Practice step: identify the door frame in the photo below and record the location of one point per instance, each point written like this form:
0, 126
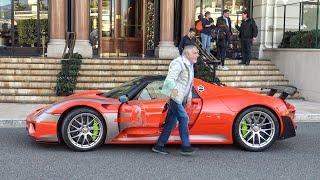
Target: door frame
116, 42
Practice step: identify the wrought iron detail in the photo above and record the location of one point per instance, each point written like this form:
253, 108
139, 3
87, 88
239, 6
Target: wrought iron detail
150, 26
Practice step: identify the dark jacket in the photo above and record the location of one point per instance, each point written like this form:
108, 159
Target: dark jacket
221, 20
206, 30
248, 29
185, 41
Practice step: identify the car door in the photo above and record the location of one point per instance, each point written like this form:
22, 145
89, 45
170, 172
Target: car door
147, 109
153, 103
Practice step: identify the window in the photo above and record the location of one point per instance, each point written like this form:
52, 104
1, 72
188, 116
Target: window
152, 91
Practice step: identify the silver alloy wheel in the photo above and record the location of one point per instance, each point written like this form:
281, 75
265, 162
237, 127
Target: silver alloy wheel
257, 129
85, 130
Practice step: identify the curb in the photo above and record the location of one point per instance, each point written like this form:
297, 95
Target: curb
18, 123
13, 123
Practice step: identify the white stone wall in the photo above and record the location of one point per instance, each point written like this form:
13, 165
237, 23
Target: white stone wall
269, 16
300, 67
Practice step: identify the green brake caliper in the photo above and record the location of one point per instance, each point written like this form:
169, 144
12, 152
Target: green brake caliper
244, 129
95, 130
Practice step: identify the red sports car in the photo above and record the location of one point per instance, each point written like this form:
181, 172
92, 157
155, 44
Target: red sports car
134, 113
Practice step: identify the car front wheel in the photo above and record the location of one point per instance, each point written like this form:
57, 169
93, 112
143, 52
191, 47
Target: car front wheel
256, 129
83, 129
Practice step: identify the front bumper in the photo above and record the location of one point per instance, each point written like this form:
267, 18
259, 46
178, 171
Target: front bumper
289, 128
42, 126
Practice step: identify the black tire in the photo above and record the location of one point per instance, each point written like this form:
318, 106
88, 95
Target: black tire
70, 121
246, 138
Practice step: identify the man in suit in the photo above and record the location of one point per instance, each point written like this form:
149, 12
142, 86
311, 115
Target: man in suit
225, 19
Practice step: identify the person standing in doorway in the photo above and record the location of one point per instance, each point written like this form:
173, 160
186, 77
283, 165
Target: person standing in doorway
206, 32
178, 86
187, 40
248, 34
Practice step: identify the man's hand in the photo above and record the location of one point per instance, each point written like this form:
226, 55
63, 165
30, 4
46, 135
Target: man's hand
189, 102
254, 39
174, 93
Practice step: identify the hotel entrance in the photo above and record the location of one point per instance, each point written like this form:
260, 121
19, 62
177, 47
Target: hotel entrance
116, 27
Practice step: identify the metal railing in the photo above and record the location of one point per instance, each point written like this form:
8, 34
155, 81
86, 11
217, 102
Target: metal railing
296, 25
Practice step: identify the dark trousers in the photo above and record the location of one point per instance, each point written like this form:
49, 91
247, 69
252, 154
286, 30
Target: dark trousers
176, 112
222, 52
222, 46
246, 50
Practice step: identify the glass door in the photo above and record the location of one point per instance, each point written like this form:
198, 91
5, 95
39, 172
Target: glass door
121, 32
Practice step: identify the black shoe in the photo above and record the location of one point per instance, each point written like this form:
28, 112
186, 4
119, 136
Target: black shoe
187, 151
241, 63
159, 149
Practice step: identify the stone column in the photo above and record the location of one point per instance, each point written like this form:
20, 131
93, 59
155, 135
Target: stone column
166, 48
81, 27
188, 13
57, 29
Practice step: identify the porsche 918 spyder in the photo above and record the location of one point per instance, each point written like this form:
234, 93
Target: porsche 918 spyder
134, 113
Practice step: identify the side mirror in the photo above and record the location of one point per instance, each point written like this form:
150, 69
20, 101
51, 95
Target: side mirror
123, 99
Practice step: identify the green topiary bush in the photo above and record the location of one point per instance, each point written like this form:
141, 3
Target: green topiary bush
203, 72
67, 77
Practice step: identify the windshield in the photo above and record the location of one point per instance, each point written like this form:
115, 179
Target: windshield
123, 89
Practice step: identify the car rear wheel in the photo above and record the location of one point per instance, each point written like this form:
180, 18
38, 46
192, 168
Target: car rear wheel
256, 129
83, 129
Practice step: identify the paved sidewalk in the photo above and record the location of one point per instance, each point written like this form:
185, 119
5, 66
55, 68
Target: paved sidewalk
14, 115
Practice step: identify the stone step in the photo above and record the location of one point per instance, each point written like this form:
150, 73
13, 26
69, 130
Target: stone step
29, 99
32, 72
251, 78
251, 67
248, 73
120, 73
245, 84
253, 62
23, 91
27, 85
105, 67
28, 78
85, 61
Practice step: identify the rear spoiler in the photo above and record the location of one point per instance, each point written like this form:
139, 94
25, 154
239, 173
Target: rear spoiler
284, 91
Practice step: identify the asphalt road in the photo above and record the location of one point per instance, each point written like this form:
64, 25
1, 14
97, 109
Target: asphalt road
295, 158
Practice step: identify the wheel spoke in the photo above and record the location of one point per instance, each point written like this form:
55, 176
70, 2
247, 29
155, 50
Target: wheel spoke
78, 139
247, 134
262, 137
84, 138
268, 129
265, 124
266, 133
78, 122
76, 135
74, 126
74, 130
250, 137
90, 122
254, 138
259, 139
